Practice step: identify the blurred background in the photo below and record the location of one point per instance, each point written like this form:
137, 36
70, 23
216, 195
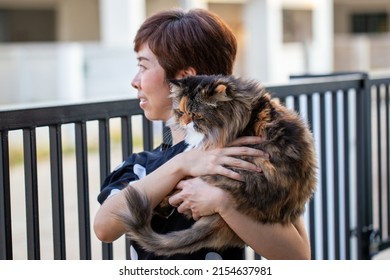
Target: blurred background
80, 49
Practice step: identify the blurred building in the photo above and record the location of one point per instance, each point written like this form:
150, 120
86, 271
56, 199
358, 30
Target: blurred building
76, 49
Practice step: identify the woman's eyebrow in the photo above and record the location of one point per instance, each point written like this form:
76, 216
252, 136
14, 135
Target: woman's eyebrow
140, 58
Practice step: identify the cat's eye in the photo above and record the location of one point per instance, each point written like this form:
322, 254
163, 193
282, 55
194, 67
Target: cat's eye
179, 113
197, 116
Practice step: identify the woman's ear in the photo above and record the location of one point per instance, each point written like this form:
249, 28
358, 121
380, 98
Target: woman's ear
190, 71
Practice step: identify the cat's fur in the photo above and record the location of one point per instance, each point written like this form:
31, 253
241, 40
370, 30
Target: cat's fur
217, 110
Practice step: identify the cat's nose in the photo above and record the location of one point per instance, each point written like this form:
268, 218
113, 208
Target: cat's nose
185, 119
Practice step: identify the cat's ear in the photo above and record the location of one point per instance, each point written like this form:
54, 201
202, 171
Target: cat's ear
221, 89
190, 71
221, 93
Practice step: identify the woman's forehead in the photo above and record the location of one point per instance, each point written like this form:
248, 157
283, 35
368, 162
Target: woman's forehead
144, 53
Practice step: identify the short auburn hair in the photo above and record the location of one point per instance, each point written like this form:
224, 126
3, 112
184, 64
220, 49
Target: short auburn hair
197, 38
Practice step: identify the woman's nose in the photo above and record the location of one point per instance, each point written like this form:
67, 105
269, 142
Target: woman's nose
135, 82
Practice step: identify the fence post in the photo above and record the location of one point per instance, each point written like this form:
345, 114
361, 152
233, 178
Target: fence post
5, 200
364, 166
57, 188
31, 187
83, 190
147, 127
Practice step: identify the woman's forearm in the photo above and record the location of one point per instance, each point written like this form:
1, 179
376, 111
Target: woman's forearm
155, 186
272, 241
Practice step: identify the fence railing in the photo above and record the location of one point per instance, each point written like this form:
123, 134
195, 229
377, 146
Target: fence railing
347, 219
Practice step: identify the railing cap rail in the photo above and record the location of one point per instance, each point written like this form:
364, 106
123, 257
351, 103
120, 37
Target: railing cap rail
35, 115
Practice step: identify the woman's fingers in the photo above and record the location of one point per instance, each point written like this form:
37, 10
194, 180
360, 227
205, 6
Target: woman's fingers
176, 199
230, 173
247, 140
222, 160
244, 151
240, 164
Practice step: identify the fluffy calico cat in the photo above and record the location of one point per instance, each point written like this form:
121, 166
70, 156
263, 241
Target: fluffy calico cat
215, 110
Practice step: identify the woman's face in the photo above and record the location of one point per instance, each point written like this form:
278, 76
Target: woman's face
153, 90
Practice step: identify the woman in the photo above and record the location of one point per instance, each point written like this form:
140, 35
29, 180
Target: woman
175, 44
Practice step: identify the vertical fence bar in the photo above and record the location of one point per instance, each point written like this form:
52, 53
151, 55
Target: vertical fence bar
312, 233
104, 158
148, 133
57, 192
324, 178
127, 139
31, 184
347, 220
83, 190
379, 159
104, 149
282, 100
5, 200
364, 172
297, 104
127, 149
336, 185
387, 120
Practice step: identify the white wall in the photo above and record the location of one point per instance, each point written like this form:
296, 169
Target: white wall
120, 19
41, 72
64, 72
268, 58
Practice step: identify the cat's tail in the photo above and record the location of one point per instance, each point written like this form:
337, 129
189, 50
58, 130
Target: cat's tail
205, 233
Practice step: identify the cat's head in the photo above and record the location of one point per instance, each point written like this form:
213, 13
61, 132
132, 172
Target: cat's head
209, 108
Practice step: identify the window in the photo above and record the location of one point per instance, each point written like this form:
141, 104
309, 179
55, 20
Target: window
3, 28
27, 25
370, 23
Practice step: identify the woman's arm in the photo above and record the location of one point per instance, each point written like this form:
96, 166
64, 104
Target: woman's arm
161, 182
272, 241
108, 227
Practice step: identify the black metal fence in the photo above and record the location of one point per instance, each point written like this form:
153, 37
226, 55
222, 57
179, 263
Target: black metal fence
349, 114
347, 219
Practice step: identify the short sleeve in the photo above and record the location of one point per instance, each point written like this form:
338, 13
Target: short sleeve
117, 180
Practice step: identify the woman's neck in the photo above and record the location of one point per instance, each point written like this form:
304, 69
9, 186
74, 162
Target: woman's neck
178, 135
177, 132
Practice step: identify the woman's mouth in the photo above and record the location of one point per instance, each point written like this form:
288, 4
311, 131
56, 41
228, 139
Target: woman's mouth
142, 101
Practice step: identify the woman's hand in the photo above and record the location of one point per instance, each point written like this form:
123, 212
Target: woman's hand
217, 161
197, 197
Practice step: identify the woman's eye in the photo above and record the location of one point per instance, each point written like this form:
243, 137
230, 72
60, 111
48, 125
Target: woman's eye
141, 67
